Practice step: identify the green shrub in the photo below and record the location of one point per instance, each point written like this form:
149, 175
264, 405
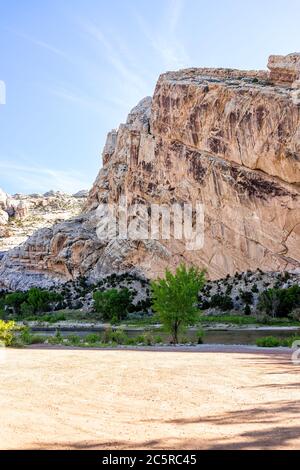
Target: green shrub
140, 339
149, 340
38, 339
112, 304
158, 339
75, 340
119, 337
56, 339
295, 314
268, 342
247, 310
27, 338
107, 335
247, 297
200, 335
223, 302
92, 338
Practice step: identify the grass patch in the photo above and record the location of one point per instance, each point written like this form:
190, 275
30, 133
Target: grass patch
273, 342
246, 320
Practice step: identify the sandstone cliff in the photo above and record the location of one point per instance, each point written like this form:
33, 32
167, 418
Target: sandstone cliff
21, 215
227, 138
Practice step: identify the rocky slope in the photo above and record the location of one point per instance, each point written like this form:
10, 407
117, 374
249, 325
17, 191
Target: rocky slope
229, 139
21, 215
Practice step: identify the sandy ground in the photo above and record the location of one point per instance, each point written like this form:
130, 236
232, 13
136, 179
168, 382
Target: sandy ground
91, 399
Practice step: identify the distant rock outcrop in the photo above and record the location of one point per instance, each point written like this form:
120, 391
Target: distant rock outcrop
229, 139
285, 70
21, 215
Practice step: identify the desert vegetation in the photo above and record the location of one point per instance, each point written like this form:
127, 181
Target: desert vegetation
170, 305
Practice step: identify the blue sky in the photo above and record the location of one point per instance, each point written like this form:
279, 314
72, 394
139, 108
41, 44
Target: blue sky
73, 69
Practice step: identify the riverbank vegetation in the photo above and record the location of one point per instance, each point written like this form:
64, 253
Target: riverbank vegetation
274, 342
168, 305
108, 338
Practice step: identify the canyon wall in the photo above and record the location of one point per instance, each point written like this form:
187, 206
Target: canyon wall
228, 139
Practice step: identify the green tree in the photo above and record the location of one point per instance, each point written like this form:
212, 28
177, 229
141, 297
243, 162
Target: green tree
175, 298
112, 304
223, 302
279, 302
247, 297
39, 301
14, 301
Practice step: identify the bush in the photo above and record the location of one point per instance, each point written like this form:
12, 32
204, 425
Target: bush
140, 339
247, 309
75, 340
295, 314
27, 338
112, 304
158, 340
200, 336
7, 332
92, 338
223, 302
149, 340
268, 342
119, 337
247, 297
56, 339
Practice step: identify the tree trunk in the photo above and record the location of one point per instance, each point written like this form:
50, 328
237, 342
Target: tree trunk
175, 333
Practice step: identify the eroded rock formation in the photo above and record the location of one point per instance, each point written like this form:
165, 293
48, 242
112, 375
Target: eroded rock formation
229, 139
21, 215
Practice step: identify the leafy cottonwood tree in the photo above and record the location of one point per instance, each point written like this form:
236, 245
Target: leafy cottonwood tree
175, 298
112, 304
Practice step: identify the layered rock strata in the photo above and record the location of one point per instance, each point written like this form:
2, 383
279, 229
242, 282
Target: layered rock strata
227, 139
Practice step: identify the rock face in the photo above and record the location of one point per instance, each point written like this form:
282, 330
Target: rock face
227, 139
285, 70
21, 215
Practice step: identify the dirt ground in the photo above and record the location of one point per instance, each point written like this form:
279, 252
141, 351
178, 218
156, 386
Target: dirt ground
89, 399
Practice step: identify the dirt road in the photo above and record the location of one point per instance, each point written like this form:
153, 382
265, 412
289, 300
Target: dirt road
70, 399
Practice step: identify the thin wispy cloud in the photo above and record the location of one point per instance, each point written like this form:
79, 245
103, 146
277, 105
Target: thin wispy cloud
76, 98
41, 44
175, 9
164, 39
43, 179
116, 55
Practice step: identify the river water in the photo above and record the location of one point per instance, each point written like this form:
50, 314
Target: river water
211, 336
